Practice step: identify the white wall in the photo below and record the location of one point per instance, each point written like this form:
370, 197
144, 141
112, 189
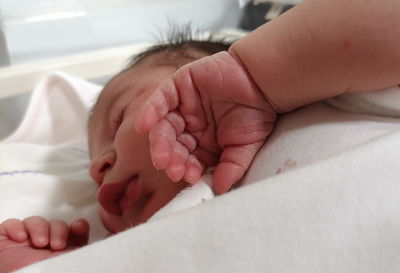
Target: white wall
43, 28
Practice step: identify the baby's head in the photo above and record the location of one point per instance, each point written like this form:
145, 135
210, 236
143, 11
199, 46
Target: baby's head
131, 189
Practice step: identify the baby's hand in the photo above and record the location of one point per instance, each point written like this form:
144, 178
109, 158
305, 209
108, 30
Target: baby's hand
209, 112
54, 234
35, 239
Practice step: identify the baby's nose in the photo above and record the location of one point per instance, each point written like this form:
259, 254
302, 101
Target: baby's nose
100, 165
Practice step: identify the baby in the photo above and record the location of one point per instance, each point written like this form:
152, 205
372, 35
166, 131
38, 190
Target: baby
181, 109
131, 190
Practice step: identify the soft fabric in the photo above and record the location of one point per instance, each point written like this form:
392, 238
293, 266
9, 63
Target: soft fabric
44, 163
321, 196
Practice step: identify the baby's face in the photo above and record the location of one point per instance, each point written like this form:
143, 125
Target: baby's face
131, 189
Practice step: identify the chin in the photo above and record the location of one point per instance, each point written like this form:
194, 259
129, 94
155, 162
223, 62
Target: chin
137, 214
114, 223
118, 223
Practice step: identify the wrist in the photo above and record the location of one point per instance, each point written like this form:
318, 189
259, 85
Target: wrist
235, 56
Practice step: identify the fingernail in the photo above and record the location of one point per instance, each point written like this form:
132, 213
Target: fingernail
22, 236
192, 176
58, 244
191, 179
41, 241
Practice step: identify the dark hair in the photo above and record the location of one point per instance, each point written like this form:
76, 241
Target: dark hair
178, 43
177, 47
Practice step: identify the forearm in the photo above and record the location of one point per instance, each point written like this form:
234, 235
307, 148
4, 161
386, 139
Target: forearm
323, 48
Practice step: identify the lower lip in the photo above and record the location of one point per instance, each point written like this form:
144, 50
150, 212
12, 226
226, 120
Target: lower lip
142, 210
131, 196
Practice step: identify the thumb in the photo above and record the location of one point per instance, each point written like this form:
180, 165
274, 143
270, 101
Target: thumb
234, 163
79, 232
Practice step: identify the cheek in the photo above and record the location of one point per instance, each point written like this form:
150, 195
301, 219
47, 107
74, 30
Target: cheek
161, 184
131, 146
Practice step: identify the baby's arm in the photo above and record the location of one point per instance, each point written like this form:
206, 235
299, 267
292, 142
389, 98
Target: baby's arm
35, 239
323, 48
221, 108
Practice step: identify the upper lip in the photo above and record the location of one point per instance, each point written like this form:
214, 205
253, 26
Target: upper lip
132, 193
117, 197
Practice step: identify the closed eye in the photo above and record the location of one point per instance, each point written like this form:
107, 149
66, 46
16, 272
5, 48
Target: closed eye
117, 122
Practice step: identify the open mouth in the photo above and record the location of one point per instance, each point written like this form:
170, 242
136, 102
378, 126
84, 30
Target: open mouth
132, 197
118, 197
130, 200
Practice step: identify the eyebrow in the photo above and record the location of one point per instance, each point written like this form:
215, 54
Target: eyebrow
91, 110
114, 98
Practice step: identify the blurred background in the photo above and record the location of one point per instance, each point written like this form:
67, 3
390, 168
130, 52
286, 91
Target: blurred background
31, 30
47, 28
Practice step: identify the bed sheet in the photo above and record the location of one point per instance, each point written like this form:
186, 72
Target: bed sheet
321, 196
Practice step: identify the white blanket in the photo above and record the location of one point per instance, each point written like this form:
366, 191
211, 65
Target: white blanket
326, 197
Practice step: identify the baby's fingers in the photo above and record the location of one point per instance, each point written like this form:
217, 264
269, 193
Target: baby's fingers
38, 230
234, 162
79, 233
177, 166
193, 170
170, 149
163, 138
14, 229
176, 93
58, 234
163, 101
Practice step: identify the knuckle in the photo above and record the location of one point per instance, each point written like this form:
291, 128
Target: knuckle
34, 219
56, 221
10, 221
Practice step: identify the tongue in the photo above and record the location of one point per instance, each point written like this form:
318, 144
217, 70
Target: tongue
109, 196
